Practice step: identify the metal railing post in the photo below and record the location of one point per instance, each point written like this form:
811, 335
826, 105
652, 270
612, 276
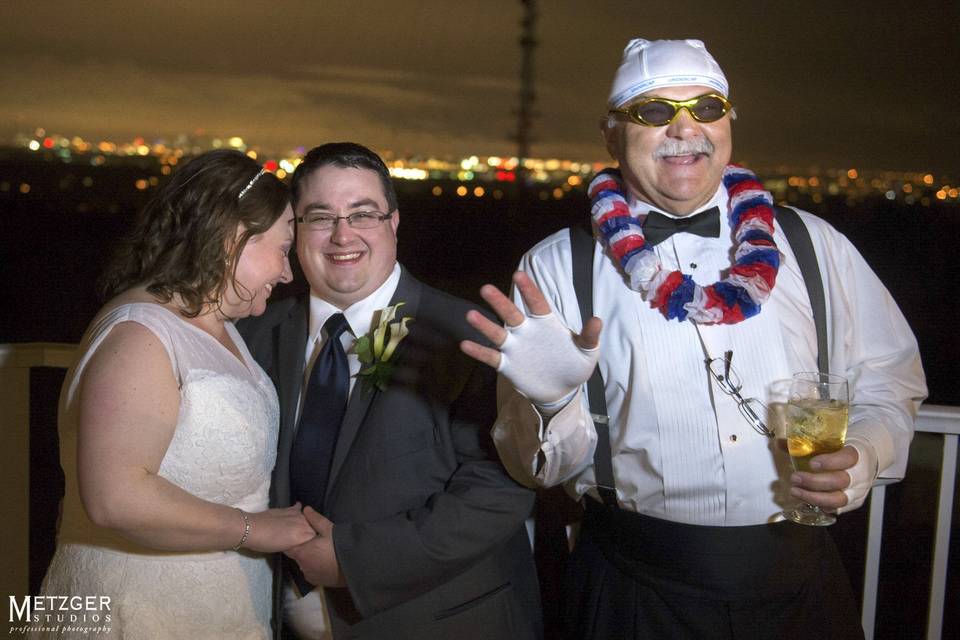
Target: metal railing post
941, 542
871, 572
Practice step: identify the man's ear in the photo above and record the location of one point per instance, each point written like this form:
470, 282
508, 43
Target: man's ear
395, 220
612, 133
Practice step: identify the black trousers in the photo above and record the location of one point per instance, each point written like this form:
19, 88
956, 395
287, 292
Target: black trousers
632, 576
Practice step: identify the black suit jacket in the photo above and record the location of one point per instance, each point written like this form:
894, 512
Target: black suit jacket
428, 525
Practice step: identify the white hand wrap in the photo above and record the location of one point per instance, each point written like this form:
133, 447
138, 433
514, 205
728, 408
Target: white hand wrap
862, 475
542, 360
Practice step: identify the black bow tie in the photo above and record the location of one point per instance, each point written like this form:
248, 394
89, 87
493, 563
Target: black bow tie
658, 227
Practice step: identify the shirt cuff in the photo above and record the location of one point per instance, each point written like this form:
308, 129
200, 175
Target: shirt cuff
551, 409
536, 450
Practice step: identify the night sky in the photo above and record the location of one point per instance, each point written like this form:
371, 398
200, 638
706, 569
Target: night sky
815, 83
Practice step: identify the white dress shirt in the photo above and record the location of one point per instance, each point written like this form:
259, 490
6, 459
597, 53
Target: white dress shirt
681, 449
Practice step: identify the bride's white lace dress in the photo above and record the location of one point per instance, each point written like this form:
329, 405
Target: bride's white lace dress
223, 450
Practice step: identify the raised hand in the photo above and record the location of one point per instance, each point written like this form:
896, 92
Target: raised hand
278, 529
543, 359
317, 557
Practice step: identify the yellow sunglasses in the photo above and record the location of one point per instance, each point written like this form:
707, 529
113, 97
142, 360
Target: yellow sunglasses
657, 112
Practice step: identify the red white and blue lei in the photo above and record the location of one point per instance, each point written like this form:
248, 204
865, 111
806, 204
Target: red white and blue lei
751, 277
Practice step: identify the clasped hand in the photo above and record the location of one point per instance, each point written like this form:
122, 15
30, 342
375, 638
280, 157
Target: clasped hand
306, 537
537, 353
278, 529
316, 557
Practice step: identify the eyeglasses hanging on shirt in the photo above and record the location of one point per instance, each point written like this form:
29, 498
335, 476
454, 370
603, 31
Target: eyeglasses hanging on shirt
730, 383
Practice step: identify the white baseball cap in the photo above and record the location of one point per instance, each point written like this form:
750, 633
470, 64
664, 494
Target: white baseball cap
649, 65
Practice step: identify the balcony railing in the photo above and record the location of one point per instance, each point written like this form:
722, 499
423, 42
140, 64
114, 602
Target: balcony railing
932, 419
17, 361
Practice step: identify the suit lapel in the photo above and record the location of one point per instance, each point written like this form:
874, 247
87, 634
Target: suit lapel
363, 395
292, 343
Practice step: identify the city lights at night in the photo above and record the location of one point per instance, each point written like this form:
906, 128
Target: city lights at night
553, 176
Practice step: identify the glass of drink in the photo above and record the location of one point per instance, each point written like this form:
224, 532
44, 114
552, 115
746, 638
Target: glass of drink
816, 423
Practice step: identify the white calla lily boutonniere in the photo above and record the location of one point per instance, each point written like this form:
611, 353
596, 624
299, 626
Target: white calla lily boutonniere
376, 348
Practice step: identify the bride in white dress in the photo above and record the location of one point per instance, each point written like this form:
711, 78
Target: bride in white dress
168, 428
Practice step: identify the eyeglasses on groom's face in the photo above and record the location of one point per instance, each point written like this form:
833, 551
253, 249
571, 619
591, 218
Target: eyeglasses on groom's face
320, 221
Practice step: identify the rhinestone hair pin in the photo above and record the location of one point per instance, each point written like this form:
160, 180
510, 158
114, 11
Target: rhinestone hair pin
250, 184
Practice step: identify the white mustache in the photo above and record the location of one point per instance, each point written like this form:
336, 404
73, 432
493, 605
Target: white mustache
673, 147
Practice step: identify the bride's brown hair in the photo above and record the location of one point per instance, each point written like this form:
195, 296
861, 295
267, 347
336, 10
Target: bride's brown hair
188, 238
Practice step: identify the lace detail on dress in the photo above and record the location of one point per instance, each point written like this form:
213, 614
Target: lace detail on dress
226, 431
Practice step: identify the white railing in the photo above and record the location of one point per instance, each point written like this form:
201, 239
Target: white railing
16, 360
932, 419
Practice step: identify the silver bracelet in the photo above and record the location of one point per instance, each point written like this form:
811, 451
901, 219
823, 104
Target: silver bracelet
246, 529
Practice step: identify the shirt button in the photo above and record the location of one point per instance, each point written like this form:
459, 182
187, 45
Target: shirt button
733, 438
693, 265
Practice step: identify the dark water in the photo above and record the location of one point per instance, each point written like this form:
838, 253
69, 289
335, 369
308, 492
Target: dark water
54, 241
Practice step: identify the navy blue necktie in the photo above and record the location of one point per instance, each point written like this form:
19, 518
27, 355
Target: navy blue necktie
658, 227
324, 404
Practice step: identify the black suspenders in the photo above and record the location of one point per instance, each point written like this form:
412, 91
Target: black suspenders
799, 239
582, 247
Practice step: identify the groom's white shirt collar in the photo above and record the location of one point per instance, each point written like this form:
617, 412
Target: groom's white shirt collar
359, 315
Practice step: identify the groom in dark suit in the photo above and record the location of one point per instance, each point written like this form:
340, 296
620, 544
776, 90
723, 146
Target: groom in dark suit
421, 533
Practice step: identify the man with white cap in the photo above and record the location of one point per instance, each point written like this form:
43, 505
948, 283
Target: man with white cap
682, 480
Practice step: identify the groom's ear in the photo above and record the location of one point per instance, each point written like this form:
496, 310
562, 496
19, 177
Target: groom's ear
395, 220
